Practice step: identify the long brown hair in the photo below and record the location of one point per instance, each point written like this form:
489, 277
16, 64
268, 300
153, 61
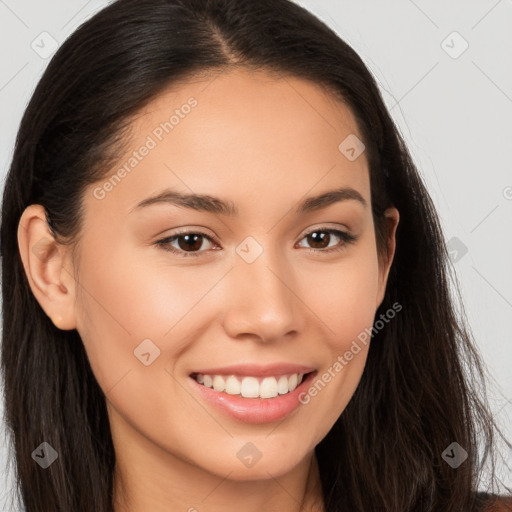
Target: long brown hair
420, 388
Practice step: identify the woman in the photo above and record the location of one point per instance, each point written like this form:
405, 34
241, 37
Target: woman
186, 349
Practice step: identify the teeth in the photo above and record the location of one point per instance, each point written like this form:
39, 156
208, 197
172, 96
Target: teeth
268, 388
293, 382
251, 387
218, 383
282, 385
232, 385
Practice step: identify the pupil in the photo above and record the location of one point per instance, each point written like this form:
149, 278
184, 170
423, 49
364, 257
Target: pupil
318, 238
315, 238
189, 245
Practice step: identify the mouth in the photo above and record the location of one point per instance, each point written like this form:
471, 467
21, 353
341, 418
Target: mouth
258, 395
252, 386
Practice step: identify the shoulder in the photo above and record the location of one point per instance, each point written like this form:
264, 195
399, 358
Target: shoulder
496, 503
501, 504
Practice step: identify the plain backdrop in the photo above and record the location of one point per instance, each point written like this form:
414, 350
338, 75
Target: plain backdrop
444, 69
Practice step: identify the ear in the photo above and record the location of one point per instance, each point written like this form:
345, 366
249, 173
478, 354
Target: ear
47, 266
392, 217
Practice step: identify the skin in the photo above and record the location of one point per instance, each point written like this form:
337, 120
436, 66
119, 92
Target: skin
265, 143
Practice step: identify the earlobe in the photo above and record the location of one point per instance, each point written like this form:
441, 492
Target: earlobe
392, 219
47, 268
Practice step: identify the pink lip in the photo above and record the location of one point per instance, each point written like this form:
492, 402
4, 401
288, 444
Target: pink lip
255, 410
255, 370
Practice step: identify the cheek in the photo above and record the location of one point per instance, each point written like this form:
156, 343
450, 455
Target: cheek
120, 304
344, 295
345, 299
125, 301
128, 297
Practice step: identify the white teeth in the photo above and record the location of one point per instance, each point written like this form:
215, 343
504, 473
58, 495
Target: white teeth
251, 387
218, 383
232, 385
292, 383
282, 385
268, 387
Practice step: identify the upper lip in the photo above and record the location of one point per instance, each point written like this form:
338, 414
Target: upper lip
257, 370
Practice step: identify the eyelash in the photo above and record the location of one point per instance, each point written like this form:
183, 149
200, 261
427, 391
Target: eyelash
347, 238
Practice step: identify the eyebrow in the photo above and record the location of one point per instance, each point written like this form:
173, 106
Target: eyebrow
207, 203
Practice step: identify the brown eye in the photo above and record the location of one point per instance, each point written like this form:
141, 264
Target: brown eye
191, 242
188, 243
319, 239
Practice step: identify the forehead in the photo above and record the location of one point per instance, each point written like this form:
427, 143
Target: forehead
262, 103
242, 133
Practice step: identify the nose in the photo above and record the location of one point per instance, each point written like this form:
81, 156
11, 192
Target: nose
262, 302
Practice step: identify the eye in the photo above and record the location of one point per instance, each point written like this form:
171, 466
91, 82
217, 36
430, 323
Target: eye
316, 238
187, 240
190, 242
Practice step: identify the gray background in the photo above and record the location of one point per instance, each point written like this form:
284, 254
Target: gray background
453, 106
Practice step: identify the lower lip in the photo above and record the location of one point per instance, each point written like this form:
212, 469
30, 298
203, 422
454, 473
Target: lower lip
255, 410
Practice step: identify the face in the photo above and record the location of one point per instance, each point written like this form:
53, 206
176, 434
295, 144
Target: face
247, 289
